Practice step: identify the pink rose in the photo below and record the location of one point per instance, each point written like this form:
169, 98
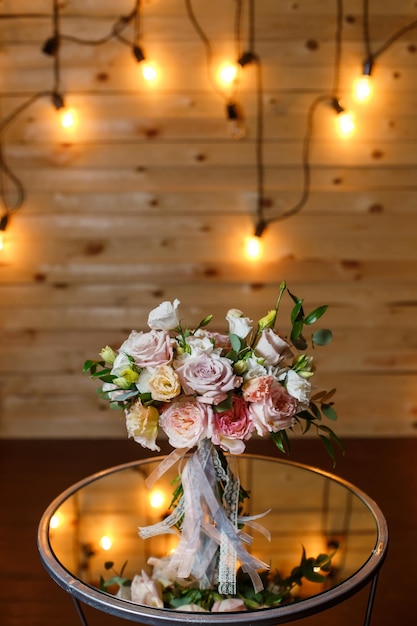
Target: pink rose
232, 428
210, 376
185, 421
271, 347
257, 389
275, 412
148, 349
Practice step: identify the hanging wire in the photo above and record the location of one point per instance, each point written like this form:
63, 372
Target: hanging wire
371, 56
332, 98
12, 191
208, 47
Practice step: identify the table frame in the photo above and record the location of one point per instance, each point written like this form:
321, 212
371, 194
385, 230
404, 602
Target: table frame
82, 592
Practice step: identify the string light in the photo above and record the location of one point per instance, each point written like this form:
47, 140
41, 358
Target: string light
106, 542
68, 119
227, 73
253, 248
157, 499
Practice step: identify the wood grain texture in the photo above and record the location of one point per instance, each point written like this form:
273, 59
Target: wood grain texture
149, 198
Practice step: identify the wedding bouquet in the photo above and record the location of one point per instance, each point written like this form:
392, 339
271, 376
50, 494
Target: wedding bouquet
212, 392
198, 384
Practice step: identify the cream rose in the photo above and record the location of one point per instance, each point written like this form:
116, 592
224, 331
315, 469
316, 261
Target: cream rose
185, 421
164, 383
142, 424
165, 316
271, 347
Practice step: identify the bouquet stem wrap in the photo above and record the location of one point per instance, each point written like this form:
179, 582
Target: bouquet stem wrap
211, 542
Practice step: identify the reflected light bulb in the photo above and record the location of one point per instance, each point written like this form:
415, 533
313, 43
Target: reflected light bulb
68, 118
55, 521
345, 123
227, 73
106, 542
157, 499
253, 248
149, 71
363, 89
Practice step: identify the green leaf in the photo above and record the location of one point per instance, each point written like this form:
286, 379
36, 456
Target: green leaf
300, 343
282, 441
88, 365
329, 448
315, 410
329, 412
316, 314
236, 342
322, 337
226, 405
297, 329
297, 312
232, 355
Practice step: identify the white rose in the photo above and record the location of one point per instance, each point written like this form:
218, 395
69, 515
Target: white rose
254, 369
298, 387
146, 591
238, 324
199, 343
165, 316
271, 347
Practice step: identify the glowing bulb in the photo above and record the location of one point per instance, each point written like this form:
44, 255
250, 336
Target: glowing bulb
55, 521
1, 241
363, 89
68, 119
227, 73
149, 71
106, 542
253, 248
157, 499
345, 123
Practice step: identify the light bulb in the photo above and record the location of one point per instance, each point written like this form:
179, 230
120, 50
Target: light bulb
68, 118
157, 499
253, 248
149, 71
55, 521
106, 542
345, 123
363, 89
227, 73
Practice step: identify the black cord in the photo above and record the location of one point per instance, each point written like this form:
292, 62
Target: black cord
371, 56
306, 147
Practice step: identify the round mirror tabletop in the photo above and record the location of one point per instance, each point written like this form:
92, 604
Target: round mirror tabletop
95, 523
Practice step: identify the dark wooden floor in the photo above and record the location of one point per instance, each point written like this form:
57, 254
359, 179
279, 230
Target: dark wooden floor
34, 472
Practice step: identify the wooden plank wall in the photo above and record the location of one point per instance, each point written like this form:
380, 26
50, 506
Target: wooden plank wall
150, 198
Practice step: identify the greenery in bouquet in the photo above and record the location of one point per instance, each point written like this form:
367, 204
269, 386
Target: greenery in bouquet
194, 384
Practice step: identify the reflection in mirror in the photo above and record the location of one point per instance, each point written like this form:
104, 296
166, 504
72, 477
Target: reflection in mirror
98, 523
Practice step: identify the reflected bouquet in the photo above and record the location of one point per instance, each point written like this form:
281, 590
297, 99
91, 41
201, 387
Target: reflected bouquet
213, 392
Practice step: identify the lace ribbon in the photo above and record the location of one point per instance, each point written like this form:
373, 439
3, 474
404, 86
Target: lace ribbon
210, 541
